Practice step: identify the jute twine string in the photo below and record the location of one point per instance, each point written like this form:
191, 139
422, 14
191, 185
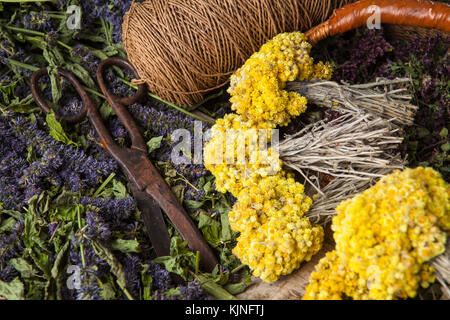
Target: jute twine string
184, 49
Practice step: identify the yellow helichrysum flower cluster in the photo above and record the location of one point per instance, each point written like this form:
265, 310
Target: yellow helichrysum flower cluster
384, 238
276, 237
233, 167
257, 88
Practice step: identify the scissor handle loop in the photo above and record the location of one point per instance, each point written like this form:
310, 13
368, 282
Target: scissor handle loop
40, 101
119, 62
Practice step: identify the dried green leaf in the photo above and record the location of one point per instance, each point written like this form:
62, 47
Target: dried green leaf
154, 143
13, 290
193, 205
207, 187
178, 190
56, 130
108, 291
211, 229
213, 288
119, 189
58, 265
126, 246
7, 225
25, 269
116, 267
180, 259
146, 283
227, 233
81, 73
106, 110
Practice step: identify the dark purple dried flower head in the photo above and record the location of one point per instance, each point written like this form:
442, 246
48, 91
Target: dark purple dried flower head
111, 12
39, 21
54, 164
8, 274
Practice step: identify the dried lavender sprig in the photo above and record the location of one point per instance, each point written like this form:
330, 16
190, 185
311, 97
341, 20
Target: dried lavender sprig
91, 269
56, 164
106, 216
110, 12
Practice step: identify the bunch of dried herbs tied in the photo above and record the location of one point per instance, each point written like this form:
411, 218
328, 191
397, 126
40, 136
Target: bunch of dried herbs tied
339, 158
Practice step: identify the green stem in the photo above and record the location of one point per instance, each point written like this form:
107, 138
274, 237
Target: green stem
169, 103
211, 97
56, 16
22, 65
81, 244
37, 33
104, 184
96, 93
33, 68
197, 262
62, 44
129, 296
238, 268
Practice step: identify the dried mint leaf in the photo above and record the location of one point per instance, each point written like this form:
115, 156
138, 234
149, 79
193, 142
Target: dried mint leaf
13, 290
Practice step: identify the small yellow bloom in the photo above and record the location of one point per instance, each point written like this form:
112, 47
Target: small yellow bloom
385, 238
256, 89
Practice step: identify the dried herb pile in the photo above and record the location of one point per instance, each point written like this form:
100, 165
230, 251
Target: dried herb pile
64, 203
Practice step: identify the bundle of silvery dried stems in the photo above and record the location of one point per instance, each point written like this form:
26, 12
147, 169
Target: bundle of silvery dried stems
353, 151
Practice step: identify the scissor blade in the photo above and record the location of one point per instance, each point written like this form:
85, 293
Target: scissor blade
183, 223
154, 222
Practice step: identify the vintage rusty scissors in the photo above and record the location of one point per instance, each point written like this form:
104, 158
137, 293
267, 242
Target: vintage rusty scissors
148, 187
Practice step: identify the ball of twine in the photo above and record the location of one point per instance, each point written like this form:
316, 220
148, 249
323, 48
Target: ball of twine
184, 49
